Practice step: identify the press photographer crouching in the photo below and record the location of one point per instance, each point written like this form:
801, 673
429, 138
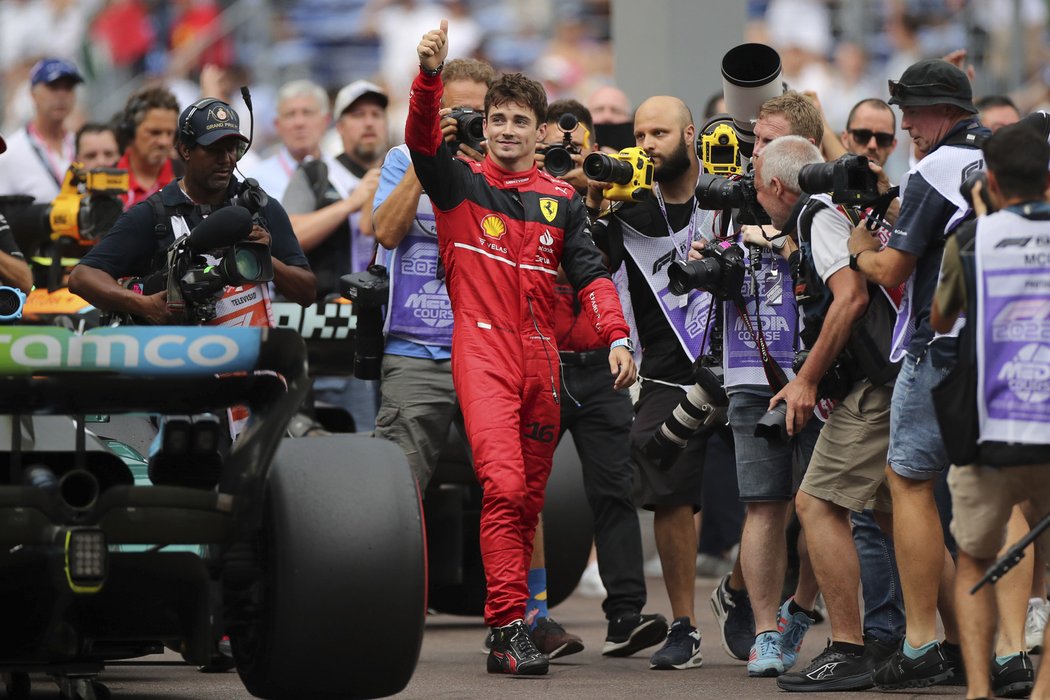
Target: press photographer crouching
846, 333
140, 243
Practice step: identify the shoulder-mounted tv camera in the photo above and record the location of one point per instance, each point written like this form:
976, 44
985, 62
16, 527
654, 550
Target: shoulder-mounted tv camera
470, 128
628, 174
369, 291
557, 158
216, 254
86, 207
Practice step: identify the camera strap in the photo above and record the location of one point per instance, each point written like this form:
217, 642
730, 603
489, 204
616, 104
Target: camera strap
775, 375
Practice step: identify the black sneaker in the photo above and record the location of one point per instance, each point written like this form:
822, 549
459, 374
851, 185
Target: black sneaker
486, 646
1014, 679
898, 671
632, 633
513, 652
552, 639
877, 650
953, 655
831, 670
736, 621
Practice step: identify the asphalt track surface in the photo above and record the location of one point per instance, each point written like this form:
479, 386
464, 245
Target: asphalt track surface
451, 666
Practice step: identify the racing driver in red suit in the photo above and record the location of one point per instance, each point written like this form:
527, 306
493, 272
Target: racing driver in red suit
503, 228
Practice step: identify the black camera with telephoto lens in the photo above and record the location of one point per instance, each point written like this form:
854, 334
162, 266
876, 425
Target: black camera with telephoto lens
557, 159
848, 179
370, 292
722, 194
470, 128
720, 271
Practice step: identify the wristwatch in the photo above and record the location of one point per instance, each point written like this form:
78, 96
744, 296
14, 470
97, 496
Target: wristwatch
623, 343
853, 260
432, 72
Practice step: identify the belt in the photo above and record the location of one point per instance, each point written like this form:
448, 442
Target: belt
587, 358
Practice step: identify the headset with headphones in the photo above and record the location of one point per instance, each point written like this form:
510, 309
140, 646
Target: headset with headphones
186, 130
127, 125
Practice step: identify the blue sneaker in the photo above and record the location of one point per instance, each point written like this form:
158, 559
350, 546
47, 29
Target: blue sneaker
682, 648
792, 630
764, 660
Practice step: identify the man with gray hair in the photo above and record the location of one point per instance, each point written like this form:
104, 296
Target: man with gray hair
846, 469
302, 118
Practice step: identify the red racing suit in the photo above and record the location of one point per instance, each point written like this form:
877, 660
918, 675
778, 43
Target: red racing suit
501, 236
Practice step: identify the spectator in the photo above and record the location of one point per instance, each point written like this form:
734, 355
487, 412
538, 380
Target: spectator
996, 111
39, 154
610, 105
147, 134
96, 146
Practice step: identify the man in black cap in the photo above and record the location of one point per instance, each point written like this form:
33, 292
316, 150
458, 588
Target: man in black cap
39, 154
937, 111
209, 144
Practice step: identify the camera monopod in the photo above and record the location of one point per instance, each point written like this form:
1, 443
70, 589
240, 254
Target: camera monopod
1013, 555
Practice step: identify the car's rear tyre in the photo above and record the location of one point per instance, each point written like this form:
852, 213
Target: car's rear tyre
343, 557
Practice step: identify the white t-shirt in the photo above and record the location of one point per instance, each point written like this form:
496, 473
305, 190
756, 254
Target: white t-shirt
829, 234
22, 169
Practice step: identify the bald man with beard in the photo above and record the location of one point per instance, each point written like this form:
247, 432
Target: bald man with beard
646, 236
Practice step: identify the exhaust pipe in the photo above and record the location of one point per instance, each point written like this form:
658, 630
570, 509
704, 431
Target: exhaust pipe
78, 490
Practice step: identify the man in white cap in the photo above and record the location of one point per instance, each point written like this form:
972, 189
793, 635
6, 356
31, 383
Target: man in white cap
39, 154
329, 201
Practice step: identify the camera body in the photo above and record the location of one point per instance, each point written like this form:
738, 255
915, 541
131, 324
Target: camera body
966, 189
369, 291
720, 271
718, 149
721, 193
848, 179
629, 173
557, 159
196, 283
836, 382
470, 128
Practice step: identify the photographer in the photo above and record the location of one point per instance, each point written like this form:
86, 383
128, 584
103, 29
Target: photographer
418, 397
209, 142
646, 236
848, 458
760, 339
599, 418
996, 270
937, 111
503, 228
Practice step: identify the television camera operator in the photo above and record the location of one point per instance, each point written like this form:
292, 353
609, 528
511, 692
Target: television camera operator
209, 145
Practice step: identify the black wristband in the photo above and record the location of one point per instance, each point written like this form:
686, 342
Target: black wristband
433, 73
853, 260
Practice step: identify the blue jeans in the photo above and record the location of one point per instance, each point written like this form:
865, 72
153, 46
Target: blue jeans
883, 600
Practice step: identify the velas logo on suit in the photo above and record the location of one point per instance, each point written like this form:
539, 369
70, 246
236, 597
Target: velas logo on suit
493, 226
549, 209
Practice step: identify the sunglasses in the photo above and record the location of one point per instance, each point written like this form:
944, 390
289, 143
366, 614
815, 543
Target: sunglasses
882, 139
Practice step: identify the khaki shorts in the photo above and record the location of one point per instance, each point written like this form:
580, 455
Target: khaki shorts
982, 499
848, 466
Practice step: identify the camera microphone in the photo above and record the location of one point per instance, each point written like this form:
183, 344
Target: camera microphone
247, 97
222, 229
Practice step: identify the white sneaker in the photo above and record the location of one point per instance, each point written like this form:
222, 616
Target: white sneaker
590, 585
1035, 624
652, 567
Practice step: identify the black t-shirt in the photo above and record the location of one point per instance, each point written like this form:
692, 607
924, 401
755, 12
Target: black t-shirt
130, 248
662, 354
